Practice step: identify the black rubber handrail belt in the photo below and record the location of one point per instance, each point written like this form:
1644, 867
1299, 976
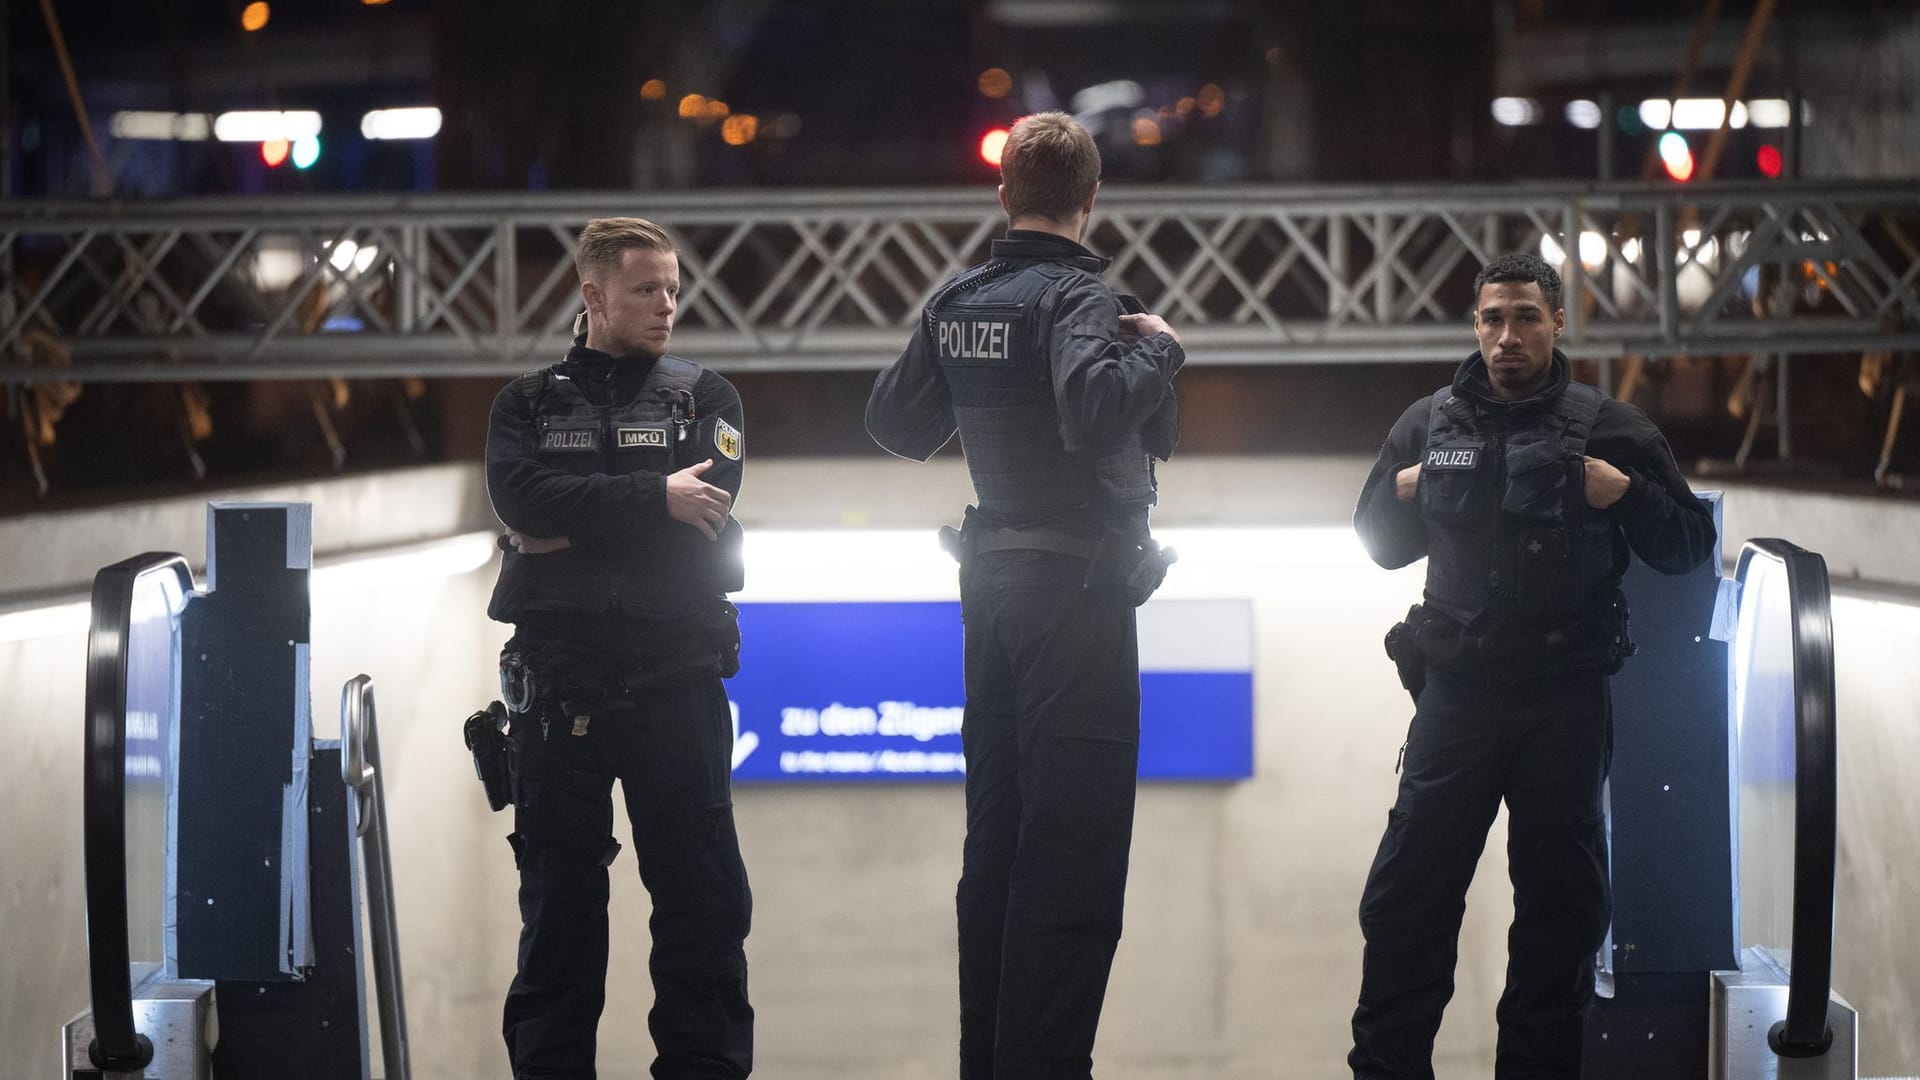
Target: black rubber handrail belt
116, 1044
1815, 798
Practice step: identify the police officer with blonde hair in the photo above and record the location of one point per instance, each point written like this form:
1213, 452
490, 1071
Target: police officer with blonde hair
614, 472
1061, 397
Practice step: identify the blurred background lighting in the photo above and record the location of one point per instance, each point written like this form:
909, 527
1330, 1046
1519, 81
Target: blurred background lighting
995, 83
1515, 111
275, 151
254, 16
740, 130
266, 126
1116, 94
306, 152
1211, 100
138, 124
1146, 131
653, 90
991, 146
1775, 113
345, 256
1676, 155
414, 122
1769, 161
693, 105
1582, 113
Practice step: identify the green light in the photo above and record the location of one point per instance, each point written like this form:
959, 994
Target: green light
306, 152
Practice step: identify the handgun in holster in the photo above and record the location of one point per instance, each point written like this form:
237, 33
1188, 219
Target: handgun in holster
1405, 653
959, 542
485, 733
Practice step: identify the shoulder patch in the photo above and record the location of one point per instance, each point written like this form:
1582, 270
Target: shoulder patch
726, 439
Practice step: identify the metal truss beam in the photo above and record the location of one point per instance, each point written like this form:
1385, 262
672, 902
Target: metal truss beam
265, 288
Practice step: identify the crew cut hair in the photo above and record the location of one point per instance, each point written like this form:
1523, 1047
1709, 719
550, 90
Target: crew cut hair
1050, 167
606, 241
1520, 266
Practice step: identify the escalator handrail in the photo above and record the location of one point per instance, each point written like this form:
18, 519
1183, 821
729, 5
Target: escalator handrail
1815, 798
116, 1044
360, 770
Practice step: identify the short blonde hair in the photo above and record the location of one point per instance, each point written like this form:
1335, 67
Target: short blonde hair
604, 243
1050, 166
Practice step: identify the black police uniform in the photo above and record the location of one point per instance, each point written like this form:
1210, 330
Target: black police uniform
1522, 621
620, 644
1057, 420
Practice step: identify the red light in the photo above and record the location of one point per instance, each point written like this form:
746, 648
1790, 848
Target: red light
991, 144
275, 151
1769, 161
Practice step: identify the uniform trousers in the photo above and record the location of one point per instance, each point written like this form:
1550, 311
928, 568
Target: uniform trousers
1051, 734
1544, 747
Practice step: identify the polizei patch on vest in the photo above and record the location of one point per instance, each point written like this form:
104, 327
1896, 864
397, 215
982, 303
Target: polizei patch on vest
975, 339
1453, 458
641, 438
726, 439
570, 439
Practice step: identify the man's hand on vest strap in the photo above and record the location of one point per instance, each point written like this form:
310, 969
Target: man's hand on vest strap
693, 501
1145, 325
1606, 485
537, 545
1406, 483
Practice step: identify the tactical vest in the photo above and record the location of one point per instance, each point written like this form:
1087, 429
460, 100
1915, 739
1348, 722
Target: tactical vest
673, 573
1508, 525
990, 340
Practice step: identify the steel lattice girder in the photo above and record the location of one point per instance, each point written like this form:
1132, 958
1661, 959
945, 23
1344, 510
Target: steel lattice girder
293, 287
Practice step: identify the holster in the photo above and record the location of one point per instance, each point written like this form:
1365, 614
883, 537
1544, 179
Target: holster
1136, 564
1407, 658
485, 733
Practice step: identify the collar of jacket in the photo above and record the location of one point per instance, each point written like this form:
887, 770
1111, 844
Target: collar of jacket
1471, 381
1034, 244
596, 368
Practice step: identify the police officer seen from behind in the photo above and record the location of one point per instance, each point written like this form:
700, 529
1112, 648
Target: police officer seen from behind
1525, 491
1059, 400
614, 471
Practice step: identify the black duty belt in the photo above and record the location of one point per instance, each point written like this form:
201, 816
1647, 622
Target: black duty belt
1048, 540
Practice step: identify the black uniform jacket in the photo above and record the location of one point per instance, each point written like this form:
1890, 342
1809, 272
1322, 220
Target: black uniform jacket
1104, 390
1662, 521
608, 517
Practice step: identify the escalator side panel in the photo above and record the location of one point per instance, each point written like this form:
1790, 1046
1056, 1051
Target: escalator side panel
312, 1029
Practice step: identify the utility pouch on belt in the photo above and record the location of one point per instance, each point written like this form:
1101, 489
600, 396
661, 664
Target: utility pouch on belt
1139, 566
486, 738
722, 624
1406, 656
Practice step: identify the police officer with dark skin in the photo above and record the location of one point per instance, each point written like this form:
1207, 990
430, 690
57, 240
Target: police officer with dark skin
1525, 491
614, 472
1060, 402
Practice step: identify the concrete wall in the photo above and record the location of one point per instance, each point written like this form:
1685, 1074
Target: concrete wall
1241, 956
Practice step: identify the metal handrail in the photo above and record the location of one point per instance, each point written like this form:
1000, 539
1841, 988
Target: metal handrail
116, 1045
360, 770
1804, 1032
